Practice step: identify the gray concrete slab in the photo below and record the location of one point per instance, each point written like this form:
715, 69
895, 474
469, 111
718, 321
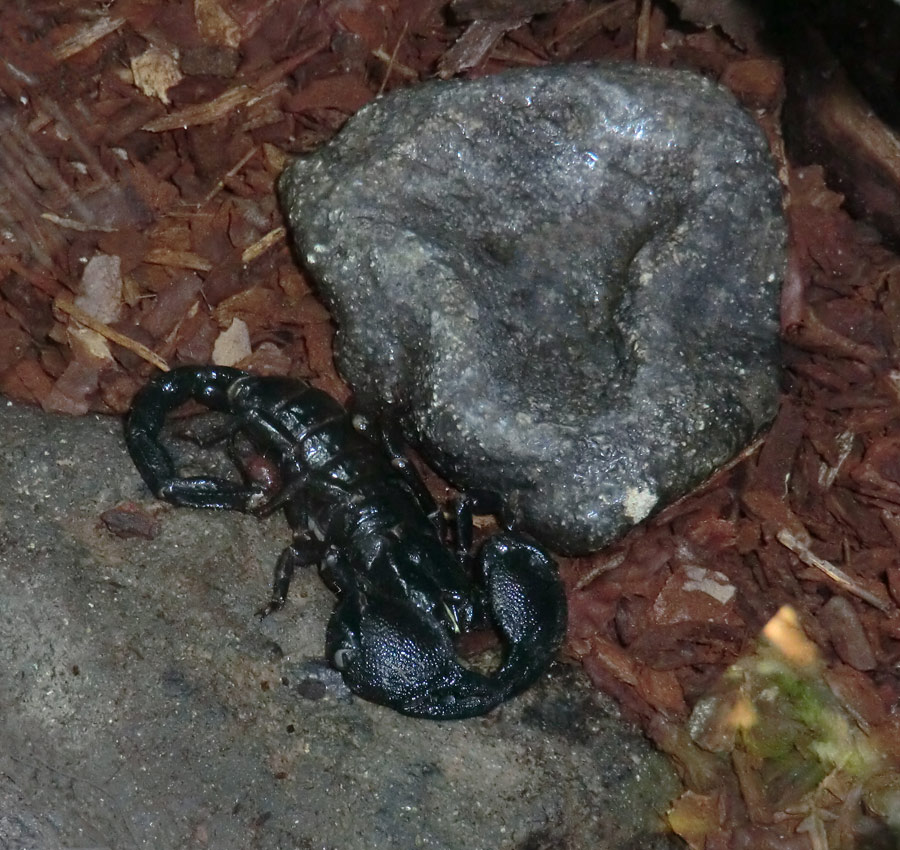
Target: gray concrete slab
142, 704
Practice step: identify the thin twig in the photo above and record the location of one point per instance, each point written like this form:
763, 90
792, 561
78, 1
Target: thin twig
399, 67
73, 224
642, 36
85, 37
802, 551
390, 64
211, 111
613, 6
603, 565
220, 184
262, 245
89, 321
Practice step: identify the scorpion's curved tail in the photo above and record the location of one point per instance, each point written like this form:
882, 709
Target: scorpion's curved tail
412, 657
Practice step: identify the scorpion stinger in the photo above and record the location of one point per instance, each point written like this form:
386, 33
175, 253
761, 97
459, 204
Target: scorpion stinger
360, 511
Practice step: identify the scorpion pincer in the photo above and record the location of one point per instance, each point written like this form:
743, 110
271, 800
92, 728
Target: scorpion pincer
359, 511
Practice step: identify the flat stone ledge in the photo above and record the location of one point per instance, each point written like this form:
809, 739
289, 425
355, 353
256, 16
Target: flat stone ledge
144, 705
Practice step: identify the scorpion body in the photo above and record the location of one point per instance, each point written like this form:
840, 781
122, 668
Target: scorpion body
359, 511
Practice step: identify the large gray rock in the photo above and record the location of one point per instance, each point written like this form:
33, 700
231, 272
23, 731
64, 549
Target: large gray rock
564, 278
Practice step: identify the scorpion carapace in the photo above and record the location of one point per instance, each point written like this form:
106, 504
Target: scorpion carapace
360, 511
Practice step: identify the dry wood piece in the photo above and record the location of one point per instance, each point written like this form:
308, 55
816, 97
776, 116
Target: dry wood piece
87, 36
847, 634
130, 520
801, 549
177, 259
155, 72
111, 334
474, 45
213, 110
260, 247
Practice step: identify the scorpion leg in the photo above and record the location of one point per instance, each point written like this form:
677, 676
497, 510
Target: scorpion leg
282, 498
467, 505
385, 431
528, 603
303, 552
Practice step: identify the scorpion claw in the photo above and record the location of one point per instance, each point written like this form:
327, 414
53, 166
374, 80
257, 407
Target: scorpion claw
528, 603
391, 652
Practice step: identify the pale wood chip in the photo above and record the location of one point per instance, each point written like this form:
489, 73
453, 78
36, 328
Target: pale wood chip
73, 224
101, 288
155, 71
215, 25
642, 38
232, 345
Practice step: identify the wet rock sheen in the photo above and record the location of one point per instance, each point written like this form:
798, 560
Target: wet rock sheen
565, 279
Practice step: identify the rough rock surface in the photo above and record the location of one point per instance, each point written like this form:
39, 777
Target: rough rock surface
144, 706
565, 279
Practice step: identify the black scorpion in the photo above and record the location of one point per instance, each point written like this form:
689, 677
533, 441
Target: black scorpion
360, 511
